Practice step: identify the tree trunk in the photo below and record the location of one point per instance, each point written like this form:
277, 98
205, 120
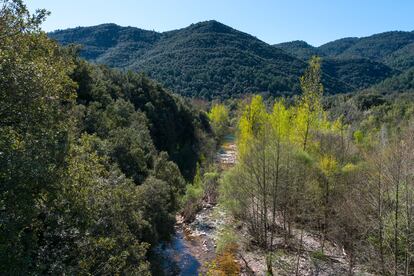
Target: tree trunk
299, 253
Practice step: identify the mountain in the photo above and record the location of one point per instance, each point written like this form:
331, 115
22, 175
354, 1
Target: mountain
299, 49
401, 59
336, 47
212, 60
381, 60
109, 43
379, 46
394, 49
360, 73
207, 59
400, 83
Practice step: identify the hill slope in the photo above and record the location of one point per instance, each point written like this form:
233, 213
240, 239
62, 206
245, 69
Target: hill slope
207, 59
109, 43
395, 49
379, 46
212, 60
299, 49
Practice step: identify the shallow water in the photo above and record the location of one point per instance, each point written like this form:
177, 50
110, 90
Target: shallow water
175, 257
190, 248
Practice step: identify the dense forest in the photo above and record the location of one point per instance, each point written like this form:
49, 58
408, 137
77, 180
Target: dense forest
214, 61
303, 156
93, 161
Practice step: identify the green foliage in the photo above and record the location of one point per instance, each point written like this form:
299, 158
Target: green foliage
402, 59
336, 47
227, 238
252, 124
403, 82
211, 60
230, 193
35, 97
219, 118
363, 62
211, 186
178, 129
192, 199
319, 255
207, 59
351, 184
378, 46
299, 49
101, 223
88, 183
357, 72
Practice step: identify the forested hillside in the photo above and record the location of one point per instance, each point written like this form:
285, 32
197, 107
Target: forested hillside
356, 71
93, 161
212, 60
203, 151
207, 59
384, 47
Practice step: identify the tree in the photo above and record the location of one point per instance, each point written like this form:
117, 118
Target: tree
84, 188
35, 100
252, 124
219, 118
309, 114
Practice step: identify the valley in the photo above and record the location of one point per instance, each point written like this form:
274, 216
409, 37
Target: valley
204, 150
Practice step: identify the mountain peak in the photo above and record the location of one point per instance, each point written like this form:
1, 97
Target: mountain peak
211, 26
295, 43
210, 59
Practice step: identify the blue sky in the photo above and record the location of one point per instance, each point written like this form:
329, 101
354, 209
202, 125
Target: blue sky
315, 21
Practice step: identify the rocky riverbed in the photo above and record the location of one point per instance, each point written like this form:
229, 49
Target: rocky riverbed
193, 244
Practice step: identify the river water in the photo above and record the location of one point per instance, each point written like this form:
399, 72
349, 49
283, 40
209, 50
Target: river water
176, 258
192, 246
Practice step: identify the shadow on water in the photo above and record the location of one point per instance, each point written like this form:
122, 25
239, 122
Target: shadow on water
229, 138
174, 258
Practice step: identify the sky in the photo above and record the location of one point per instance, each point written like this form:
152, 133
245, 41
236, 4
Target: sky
273, 21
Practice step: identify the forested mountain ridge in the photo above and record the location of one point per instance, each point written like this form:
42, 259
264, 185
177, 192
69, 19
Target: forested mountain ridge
212, 60
363, 61
205, 59
378, 47
100, 42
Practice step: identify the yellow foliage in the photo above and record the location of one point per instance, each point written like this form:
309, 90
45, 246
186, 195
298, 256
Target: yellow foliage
328, 164
309, 112
219, 119
297, 124
252, 123
218, 114
281, 121
349, 168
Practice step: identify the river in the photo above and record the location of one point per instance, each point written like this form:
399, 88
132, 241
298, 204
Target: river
193, 244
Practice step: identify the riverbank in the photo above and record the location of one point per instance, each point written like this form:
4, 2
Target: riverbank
193, 245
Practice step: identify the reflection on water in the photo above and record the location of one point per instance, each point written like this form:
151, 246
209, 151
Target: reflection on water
192, 246
175, 258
